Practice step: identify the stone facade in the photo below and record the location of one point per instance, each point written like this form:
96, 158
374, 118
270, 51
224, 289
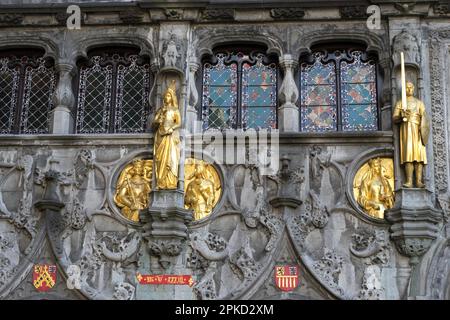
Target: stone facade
56, 190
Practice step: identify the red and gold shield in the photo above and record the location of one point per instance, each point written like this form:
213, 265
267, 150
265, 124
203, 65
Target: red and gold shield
286, 277
44, 277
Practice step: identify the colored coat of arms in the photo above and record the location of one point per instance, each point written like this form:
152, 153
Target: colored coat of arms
44, 277
286, 277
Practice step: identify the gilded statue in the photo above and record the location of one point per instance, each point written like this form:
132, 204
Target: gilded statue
202, 191
414, 130
166, 150
133, 188
373, 187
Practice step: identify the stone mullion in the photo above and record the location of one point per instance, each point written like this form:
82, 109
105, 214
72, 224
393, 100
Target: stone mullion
288, 113
61, 121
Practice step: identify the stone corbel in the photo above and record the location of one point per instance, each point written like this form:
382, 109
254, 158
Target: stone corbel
416, 222
64, 101
288, 95
191, 112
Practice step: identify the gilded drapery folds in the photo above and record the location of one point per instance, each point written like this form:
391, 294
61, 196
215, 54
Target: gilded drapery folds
202, 187
373, 186
133, 187
166, 149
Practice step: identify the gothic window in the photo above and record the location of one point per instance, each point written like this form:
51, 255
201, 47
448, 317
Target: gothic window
239, 90
113, 93
338, 92
27, 84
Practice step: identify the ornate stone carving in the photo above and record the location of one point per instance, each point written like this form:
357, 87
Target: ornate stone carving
329, 268
415, 222
371, 288
83, 164
171, 52
407, 43
164, 250
123, 291
372, 247
218, 14
174, 14
287, 13
124, 249
131, 16
207, 249
353, 12
210, 246
438, 112
11, 19
9, 257
312, 215
319, 161
75, 217
290, 182
205, 289
405, 7
441, 8
243, 264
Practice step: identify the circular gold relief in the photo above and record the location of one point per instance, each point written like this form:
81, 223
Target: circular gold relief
132, 188
202, 188
373, 186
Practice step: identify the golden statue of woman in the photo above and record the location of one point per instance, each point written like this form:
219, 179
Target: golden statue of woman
375, 192
166, 149
200, 192
133, 188
414, 129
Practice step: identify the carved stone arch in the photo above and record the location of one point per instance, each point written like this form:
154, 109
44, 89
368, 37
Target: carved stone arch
350, 175
24, 41
431, 278
96, 41
205, 45
374, 43
286, 253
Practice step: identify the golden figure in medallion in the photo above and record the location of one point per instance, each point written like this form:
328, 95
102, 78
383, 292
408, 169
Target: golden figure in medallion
166, 150
202, 187
133, 188
373, 186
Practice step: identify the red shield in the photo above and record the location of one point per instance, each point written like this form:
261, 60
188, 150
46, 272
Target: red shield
286, 277
44, 277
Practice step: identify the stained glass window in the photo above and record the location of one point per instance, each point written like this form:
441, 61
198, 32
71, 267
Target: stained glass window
358, 94
338, 92
239, 91
113, 94
318, 98
27, 84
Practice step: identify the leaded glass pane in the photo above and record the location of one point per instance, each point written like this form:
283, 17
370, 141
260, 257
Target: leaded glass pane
219, 94
318, 96
259, 95
94, 98
9, 84
38, 93
132, 97
358, 94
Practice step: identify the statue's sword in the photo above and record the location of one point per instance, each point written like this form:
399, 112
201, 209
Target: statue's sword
403, 79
